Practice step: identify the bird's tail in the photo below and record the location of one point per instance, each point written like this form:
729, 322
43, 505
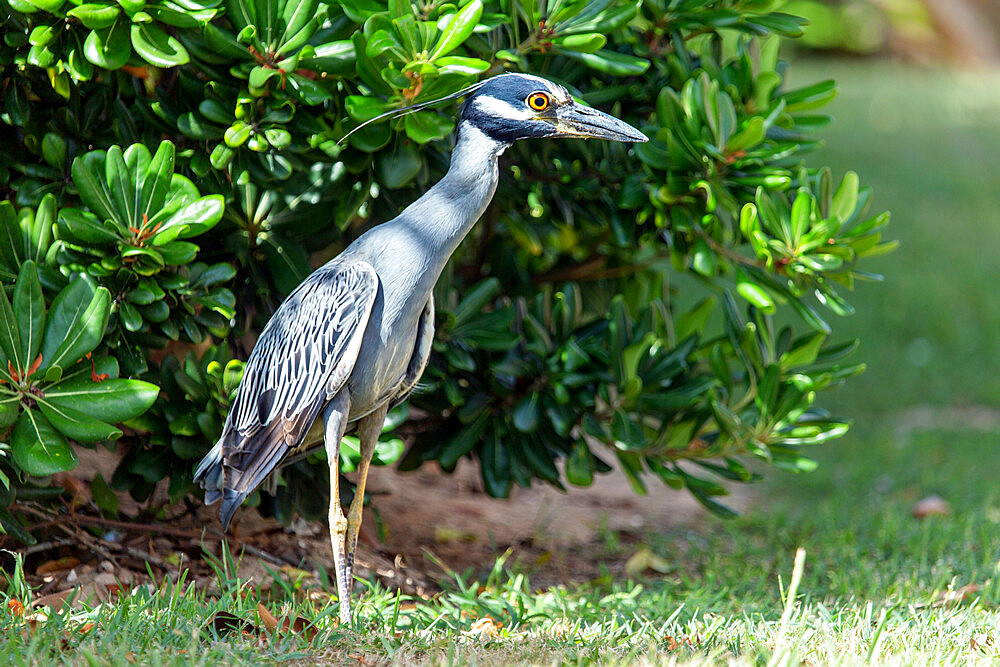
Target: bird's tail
209, 474
211, 477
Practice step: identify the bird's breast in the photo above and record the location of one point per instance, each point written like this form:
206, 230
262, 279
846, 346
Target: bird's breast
387, 345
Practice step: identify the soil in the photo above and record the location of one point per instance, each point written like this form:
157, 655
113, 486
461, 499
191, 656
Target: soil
420, 526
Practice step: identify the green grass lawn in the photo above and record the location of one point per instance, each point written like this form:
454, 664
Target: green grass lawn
878, 585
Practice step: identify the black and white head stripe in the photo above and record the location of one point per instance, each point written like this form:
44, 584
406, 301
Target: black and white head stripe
495, 106
500, 108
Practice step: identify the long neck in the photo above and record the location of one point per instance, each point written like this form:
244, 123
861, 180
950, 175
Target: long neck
449, 210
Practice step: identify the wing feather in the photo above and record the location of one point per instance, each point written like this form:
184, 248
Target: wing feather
303, 357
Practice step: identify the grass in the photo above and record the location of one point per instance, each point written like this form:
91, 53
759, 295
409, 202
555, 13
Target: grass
876, 585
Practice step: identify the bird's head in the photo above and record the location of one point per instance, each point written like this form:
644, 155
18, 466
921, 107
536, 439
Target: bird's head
513, 106
509, 107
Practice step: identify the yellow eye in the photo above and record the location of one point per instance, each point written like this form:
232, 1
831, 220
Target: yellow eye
538, 101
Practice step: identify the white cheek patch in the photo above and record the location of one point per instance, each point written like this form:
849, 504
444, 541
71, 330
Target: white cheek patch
495, 107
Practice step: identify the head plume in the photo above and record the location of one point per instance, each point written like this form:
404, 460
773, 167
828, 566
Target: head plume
398, 113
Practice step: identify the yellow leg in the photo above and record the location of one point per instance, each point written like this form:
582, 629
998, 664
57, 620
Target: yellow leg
369, 429
335, 422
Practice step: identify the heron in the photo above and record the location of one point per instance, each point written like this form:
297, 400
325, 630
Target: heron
352, 340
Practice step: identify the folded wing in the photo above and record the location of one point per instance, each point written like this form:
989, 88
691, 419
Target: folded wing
301, 360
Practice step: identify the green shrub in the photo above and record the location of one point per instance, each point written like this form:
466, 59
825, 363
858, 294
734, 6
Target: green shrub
664, 304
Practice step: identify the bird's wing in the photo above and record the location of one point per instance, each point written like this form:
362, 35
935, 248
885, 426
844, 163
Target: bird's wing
421, 354
303, 357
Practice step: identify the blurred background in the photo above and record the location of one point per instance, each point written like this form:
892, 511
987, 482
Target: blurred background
918, 117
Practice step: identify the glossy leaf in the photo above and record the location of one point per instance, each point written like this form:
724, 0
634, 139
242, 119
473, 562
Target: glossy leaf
157, 47
108, 47
39, 449
111, 400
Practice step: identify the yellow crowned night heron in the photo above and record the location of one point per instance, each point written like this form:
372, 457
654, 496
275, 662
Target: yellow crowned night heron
353, 339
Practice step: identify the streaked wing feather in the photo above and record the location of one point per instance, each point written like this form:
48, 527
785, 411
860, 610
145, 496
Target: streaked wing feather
302, 358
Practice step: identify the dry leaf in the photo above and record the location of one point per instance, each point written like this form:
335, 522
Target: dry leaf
15, 607
58, 565
301, 625
304, 627
79, 491
980, 641
56, 600
484, 627
269, 621
223, 622
956, 596
130, 657
931, 506
674, 643
643, 560
32, 621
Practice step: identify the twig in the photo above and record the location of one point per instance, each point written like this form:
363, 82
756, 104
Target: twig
44, 546
93, 542
142, 527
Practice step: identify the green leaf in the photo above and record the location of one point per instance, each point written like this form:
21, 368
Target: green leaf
495, 467
461, 65
362, 108
754, 293
396, 170
77, 321
580, 465
93, 190
525, 415
305, 89
157, 47
82, 227
295, 16
29, 309
10, 406
845, 200
10, 525
47, 5
156, 180
583, 43
458, 29
612, 62
77, 425
237, 134
332, 58
804, 352
129, 316
104, 497
108, 47
463, 442
95, 16
111, 401
10, 334
39, 449
424, 126
196, 218
54, 149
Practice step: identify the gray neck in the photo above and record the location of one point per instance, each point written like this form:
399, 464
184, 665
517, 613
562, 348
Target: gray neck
449, 210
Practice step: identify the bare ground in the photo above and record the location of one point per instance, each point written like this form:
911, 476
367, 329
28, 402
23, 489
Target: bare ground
420, 526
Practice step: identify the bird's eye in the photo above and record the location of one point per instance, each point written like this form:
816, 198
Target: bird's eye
538, 101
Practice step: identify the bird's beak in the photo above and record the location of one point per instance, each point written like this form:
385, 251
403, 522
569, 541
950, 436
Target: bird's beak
576, 120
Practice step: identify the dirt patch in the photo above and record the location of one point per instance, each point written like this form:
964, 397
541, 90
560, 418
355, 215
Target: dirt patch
420, 525
558, 536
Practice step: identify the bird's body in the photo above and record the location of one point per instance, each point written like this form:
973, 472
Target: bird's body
408, 254
353, 339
